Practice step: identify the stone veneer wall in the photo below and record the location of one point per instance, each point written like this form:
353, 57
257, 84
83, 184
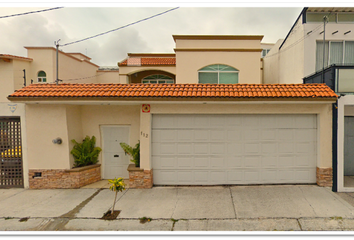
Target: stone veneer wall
64, 178
139, 178
324, 177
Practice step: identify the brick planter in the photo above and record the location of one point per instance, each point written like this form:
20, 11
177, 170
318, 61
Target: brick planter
324, 177
64, 178
139, 178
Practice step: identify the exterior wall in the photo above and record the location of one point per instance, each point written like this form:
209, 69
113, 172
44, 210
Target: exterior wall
310, 41
106, 76
74, 125
271, 64
323, 111
242, 54
6, 78
291, 56
43, 60
69, 67
95, 116
45, 123
188, 64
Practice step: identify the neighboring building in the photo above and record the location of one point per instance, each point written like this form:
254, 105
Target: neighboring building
201, 115
299, 58
300, 54
39, 67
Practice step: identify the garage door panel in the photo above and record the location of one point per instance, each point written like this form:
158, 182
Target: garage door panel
251, 148
201, 162
234, 149
201, 148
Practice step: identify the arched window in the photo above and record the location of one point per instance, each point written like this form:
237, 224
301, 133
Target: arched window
42, 77
157, 78
218, 74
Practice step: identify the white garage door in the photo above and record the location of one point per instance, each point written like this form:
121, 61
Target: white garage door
233, 149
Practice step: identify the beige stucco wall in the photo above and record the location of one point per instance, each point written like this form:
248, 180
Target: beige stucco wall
323, 111
291, 56
219, 43
45, 123
271, 64
188, 64
95, 116
6, 79
74, 128
108, 77
44, 59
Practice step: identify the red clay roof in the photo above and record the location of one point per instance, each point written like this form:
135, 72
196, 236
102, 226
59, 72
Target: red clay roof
151, 61
195, 91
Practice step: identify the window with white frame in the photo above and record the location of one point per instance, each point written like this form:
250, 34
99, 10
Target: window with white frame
157, 78
265, 52
332, 17
42, 77
218, 74
336, 52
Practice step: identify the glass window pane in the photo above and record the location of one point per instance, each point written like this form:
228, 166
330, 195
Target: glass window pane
205, 77
153, 81
169, 81
41, 74
162, 81
210, 68
228, 78
319, 55
227, 68
318, 17
345, 17
44, 80
349, 52
345, 80
336, 53
145, 81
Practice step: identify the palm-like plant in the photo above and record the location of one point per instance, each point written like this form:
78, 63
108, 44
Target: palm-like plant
85, 153
134, 153
118, 185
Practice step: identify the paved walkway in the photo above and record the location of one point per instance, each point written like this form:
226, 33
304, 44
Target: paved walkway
235, 208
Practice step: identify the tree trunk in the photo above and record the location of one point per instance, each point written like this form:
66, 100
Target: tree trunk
114, 203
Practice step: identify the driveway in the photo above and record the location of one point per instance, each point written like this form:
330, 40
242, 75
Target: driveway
218, 208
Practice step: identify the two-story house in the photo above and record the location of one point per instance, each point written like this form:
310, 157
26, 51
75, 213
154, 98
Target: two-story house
201, 114
321, 50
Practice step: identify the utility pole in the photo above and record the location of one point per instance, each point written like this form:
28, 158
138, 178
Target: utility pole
57, 70
324, 45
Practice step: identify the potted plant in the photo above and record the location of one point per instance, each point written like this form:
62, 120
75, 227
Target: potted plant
133, 152
85, 153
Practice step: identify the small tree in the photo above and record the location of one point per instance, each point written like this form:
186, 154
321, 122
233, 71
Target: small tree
118, 185
134, 153
85, 153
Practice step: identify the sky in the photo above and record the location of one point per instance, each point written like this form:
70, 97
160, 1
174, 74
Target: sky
154, 35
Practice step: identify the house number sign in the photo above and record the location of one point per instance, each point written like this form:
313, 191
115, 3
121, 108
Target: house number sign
146, 108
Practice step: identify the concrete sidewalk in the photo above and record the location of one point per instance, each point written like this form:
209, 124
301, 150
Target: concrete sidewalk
234, 208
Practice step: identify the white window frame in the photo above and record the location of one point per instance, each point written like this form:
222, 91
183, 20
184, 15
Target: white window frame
218, 72
40, 79
169, 80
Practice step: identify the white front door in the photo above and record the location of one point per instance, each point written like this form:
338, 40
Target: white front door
115, 161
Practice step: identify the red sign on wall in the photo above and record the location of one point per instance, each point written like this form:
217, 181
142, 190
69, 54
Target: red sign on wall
146, 108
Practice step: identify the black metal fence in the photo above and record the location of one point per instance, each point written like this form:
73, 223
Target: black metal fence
11, 167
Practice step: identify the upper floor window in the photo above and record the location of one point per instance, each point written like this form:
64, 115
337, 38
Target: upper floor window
265, 52
343, 17
336, 52
157, 78
218, 74
42, 77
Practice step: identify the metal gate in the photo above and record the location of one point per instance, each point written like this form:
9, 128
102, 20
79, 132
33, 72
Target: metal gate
11, 170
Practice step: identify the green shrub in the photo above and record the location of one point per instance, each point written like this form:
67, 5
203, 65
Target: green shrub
134, 153
85, 153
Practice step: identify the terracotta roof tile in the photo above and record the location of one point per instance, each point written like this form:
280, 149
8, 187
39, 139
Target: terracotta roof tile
136, 91
151, 61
